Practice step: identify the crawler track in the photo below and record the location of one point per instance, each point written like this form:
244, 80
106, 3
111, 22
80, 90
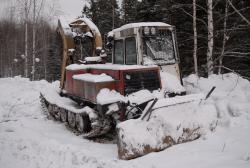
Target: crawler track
87, 122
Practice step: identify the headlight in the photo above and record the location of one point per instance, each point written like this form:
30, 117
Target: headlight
146, 30
153, 31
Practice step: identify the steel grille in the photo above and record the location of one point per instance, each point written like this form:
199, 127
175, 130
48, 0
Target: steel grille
135, 81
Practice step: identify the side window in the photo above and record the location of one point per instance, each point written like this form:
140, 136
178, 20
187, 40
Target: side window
131, 58
118, 54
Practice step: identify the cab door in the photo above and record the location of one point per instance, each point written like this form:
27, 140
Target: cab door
125, 51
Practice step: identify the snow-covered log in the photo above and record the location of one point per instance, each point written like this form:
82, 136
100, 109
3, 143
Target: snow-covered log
167, 126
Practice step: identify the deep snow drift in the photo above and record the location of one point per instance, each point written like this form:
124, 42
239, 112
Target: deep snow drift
29, 139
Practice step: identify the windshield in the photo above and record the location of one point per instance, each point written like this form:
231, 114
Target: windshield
158, 49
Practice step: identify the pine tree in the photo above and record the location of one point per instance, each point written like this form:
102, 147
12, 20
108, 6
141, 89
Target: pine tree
86, 11
154, 10
129, 11
104, 13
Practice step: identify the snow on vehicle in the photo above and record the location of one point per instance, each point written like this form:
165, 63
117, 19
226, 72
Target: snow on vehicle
144, 71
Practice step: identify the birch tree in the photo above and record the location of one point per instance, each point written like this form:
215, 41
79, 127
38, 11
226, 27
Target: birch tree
224, 38
36, 14
34, 41
195, 38
26, 11
210, 37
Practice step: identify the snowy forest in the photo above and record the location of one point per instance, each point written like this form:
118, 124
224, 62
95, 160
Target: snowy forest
176, 93
213, 36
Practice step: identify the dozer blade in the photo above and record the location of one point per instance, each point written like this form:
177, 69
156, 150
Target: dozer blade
169, 121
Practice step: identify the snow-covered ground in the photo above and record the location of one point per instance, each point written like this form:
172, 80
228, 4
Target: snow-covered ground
28, 139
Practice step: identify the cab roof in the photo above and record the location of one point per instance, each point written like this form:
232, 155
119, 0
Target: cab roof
139, 24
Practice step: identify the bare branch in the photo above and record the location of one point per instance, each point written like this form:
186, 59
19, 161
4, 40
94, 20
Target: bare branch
233, 71
192, 16
237, 11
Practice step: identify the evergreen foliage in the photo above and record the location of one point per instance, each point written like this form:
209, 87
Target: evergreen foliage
129, 11
102, 13
153, 10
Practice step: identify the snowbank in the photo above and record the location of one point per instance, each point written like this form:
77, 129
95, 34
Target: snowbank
231, 97
28, 139
184, 122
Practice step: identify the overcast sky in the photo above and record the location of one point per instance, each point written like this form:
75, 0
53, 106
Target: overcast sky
71, 7
66, 7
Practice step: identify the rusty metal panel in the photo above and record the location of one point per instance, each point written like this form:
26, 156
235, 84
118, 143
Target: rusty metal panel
92, 89
69, 85
78, 88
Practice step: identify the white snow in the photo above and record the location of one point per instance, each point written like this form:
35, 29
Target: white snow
89, 34
106, 96
23, 56
93, 59
136, 25
205, 116
180, 100
171, 83
71, 50
28, 139
179, 113
65, 26
99, 48
140, 96
91, 25
51, 92
37, 59
106, 66
148, 60
93, 77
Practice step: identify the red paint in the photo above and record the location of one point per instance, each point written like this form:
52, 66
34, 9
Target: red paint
69, 84
89, 90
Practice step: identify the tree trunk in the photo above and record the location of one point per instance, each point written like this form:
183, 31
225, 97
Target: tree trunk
1, 60
224, 38
26, 41
34, 41
210, 37
195, 38
113, 15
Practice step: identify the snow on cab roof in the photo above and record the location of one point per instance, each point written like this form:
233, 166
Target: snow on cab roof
107, 66
140, 24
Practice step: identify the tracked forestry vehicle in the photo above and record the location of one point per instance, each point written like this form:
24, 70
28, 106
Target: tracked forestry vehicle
143, 55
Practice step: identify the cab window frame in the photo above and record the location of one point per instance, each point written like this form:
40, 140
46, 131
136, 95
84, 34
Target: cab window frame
135, 50
122, 50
